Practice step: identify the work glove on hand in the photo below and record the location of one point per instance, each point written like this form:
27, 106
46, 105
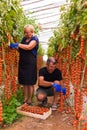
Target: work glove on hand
63, 90
14, 45
57, 87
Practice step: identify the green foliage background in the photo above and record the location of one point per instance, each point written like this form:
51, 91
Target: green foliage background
40, 50
74, 16
13, 19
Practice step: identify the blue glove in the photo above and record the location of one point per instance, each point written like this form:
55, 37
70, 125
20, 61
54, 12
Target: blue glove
57, 87
14, 45
63, 90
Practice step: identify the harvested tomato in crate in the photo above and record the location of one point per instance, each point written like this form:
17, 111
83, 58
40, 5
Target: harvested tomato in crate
34, 111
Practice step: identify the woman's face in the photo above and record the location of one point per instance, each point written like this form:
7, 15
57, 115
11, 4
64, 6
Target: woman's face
28, 32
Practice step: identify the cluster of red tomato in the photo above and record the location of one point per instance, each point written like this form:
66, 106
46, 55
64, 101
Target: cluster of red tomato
34, 109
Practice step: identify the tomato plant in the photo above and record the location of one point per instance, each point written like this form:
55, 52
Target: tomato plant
12, 20
9, 110
40, 50
72, 25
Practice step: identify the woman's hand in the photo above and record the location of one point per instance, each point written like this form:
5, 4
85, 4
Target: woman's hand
13, 45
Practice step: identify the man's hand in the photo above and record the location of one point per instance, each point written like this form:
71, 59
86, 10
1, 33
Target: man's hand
63, 91
57, 87
14, 45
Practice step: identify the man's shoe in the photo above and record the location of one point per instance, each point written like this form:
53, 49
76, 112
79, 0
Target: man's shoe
29, 104
44, 102
54, 107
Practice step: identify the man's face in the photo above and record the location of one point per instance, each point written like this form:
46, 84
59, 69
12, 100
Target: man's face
51, 67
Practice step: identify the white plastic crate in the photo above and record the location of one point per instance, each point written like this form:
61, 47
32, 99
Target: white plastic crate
43, 116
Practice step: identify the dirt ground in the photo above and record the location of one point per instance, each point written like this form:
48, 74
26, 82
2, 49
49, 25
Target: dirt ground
56, 121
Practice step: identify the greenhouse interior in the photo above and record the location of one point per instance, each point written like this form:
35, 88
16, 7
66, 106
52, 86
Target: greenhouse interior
60, 28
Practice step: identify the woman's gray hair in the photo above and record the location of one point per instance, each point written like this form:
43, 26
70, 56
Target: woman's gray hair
51, 60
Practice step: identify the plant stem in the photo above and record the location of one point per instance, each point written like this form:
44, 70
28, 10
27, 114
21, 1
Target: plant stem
3, 59
83, 73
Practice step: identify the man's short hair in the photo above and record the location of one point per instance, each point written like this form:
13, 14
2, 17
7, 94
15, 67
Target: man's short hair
51, 60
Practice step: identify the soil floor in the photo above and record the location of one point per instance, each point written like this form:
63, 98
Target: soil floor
56, 121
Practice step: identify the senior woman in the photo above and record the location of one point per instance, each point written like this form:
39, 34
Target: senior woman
27, 70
